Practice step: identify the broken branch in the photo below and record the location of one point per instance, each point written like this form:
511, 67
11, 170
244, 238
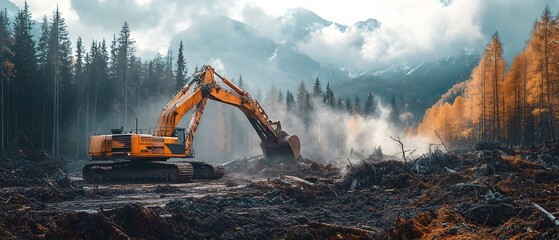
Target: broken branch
402, 146
351, 165
553, 219
439, 136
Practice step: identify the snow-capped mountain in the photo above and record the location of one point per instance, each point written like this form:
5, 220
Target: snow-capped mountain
241, 50
298, 23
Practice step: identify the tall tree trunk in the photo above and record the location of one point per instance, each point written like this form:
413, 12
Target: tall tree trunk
78, 139
523, 120
540, 117
483, 131
3, 133
95, 104
496, 107
43, 102
549, 103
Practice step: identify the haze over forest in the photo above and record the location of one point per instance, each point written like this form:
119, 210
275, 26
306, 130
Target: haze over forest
377, 74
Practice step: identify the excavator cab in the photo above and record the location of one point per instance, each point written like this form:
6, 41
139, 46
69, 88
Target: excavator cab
180, 134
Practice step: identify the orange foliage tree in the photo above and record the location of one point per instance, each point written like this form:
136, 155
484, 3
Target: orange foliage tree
517, 107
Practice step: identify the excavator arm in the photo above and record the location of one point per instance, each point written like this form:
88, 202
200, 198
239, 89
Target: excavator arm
276, 143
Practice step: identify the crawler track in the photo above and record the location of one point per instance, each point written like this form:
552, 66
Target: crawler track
150, 172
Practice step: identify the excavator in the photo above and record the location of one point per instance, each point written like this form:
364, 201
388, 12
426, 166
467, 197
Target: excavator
139, 157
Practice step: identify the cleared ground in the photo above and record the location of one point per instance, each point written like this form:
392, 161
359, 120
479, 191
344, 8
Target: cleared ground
487, 193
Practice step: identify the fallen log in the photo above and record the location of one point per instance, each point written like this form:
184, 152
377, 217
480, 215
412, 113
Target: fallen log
553, 219
340, 229
298, 180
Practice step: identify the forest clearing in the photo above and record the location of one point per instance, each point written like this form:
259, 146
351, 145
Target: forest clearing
297, 127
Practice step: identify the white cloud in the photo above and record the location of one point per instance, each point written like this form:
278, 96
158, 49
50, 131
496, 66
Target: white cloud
412, 35
411, 29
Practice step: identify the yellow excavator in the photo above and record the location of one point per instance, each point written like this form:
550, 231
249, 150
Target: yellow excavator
138, 157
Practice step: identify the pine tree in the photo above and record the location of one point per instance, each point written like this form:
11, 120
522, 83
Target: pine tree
43, 73
339, 105
280, 96
357, 106
6, 69
25, 65
241, 83
124, 53
369, 108
302, 107
182, 70
317, 89
329, 98
79, 79
348, 106
289, 101
60, 70
43, 46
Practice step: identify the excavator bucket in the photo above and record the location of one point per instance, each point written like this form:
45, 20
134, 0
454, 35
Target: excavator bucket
287, 149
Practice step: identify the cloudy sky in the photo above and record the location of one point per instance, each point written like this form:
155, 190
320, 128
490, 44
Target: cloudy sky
410, 28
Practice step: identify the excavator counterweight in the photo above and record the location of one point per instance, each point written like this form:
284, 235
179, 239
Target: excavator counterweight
142, 157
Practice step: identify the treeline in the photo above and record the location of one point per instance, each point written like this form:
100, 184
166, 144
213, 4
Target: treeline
303, 101
518, 106
55, 96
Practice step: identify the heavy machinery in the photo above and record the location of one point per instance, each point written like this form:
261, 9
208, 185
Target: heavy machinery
135, 156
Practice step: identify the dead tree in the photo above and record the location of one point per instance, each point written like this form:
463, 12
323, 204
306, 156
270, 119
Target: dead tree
402, 146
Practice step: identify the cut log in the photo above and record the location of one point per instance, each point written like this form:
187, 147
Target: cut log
341, 229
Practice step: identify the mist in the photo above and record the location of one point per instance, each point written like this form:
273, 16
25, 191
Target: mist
334, 135
225, 134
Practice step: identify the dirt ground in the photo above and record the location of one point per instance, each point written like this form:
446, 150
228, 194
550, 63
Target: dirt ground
485, 193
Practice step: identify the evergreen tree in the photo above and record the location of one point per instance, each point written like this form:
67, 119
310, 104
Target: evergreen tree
339, 105
25, 65
113, 60
79, 79
241, 83
289, 100
370, 107
60, 70
317, 89
100, 91
357, 106
45, 82
6, 69
329, 98
309, 104
302, 106
182, 70
348, 106
280, 96
124, 53
43, 47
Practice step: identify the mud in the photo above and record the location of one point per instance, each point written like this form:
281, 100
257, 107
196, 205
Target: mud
480, 194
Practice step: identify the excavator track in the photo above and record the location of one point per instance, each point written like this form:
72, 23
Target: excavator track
126, 172
153, 172
204, 170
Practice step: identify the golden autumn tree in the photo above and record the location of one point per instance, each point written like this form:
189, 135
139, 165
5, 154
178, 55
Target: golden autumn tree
542, 73
494, 74
518, 106
476, 115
